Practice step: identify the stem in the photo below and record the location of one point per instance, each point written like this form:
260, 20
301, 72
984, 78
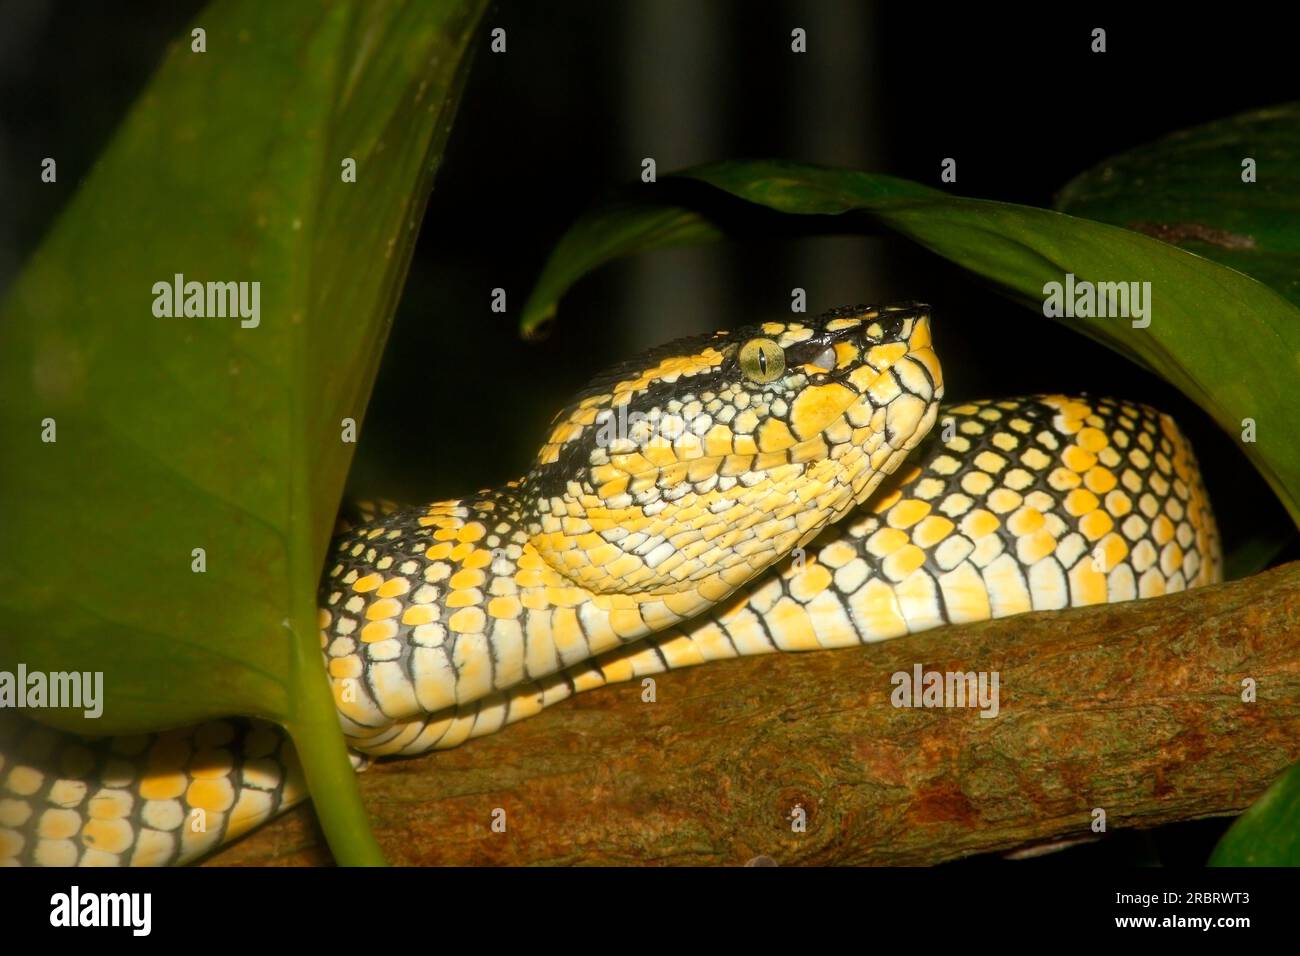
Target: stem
324, 756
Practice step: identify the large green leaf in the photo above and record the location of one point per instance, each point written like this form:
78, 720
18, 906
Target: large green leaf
1188, 189
1268, 834
182, 433
1230, 343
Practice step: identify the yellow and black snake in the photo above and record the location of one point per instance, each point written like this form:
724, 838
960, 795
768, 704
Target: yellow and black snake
767, 488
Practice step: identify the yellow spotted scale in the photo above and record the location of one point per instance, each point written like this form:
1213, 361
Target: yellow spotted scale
772, 488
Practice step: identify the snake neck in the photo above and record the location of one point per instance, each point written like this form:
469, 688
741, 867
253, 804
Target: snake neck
431, 608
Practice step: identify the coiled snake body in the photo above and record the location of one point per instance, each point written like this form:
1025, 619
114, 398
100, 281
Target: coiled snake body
732, 494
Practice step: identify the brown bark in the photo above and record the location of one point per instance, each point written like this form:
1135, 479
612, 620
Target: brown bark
1135, 708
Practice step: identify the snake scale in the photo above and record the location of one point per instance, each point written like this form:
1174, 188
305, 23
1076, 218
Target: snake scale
777, 487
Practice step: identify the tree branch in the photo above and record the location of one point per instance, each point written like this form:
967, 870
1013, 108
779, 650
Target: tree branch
1135, 709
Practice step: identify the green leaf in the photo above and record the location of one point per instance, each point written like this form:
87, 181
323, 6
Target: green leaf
1228, 342
1268, 834
593, 241
1187, 189
181, 433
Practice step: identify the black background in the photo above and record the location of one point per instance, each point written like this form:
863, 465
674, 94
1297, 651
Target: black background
587, 89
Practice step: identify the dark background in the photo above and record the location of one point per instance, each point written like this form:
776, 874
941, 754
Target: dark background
587, 89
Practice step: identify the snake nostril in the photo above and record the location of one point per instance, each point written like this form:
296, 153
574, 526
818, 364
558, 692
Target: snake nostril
896, 322
892, 326
887, 328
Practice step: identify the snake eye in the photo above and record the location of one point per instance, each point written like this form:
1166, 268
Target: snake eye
762, 360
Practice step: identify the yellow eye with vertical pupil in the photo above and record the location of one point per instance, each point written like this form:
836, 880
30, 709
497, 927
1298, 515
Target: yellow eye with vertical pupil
762, 360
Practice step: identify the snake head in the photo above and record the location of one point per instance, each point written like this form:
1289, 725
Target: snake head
679, 475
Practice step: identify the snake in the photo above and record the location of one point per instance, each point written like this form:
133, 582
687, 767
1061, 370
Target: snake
784, 486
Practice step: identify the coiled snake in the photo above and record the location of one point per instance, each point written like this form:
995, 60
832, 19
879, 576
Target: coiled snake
730, 494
